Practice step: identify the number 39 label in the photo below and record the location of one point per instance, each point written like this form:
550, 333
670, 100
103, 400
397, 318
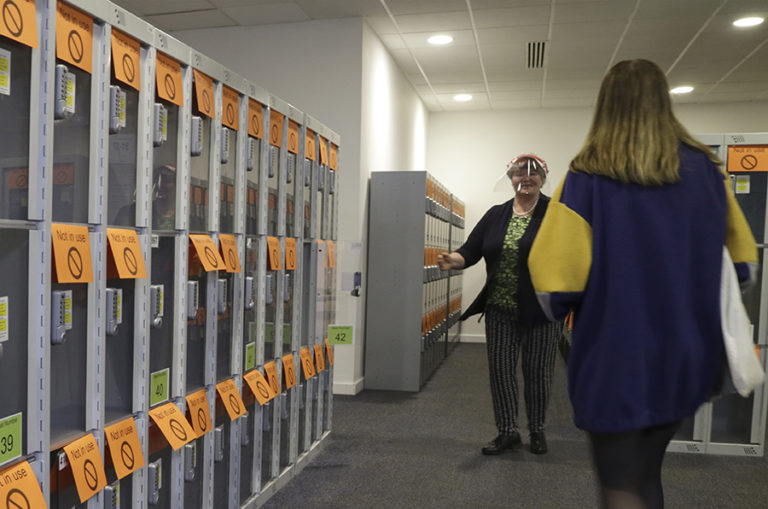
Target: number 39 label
10, 438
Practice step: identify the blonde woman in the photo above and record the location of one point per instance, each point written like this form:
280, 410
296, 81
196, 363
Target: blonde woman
632, 242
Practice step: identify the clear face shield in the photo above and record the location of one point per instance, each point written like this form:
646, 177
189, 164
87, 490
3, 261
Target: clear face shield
519, 172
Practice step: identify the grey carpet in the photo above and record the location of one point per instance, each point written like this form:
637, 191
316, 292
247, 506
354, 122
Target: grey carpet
404, 450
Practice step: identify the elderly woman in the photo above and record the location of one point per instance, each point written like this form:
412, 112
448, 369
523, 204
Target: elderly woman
514, 321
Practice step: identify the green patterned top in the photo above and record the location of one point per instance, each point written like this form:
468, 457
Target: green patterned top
502, 292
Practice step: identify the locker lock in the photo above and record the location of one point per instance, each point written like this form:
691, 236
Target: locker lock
320, 177
274, 157
190, 461
61, 315
64, 102
117, 107
250, 163
156, 298
160, 134
291, 168
192, 299
112, 496
287, 288
331, 182
218, 452
155, 471
196, 143
245, 421
114, 310
224, 145
269, 298
250, 292
307, 172
221, 295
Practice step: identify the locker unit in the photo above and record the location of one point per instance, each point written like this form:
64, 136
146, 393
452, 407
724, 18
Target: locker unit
409, 224
730, 424
457, 233
139, 206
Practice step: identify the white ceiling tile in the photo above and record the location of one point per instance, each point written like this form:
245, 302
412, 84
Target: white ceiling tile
404, 61
594, 11
438, 21
190, 20
742, 86
460, 38
145, 7
242, 3
462, 88
517, 35
510, 74
583, 93
472, 76
400, 7
567, 102
511, 17
676, 9
266, 14
331, 9
479, 101
436, 60
514, 86
381, 25
593, 84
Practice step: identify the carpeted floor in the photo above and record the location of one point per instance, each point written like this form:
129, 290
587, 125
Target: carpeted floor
422, 450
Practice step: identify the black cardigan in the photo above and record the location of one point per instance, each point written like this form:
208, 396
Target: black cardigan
486, 241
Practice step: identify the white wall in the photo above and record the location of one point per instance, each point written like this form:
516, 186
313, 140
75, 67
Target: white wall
468, 151
339, 72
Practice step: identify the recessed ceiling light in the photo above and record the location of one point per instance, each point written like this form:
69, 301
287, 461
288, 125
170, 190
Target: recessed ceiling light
681, 90
440, 39
462, 97
748, 22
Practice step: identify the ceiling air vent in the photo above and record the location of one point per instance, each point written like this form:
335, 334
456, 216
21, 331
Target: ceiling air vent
536, 54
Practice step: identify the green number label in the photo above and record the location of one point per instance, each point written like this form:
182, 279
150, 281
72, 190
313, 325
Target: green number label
158, 386
10, 438
341, 334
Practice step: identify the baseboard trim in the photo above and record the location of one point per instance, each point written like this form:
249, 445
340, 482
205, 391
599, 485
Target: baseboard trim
348, 389
473, 338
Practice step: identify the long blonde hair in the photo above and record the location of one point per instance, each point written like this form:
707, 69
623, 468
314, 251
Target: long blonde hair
635, 136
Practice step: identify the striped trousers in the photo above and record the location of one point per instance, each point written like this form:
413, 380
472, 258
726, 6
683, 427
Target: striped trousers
506, 340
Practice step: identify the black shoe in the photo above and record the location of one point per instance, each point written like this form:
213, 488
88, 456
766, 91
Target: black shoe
538, 443
501, 443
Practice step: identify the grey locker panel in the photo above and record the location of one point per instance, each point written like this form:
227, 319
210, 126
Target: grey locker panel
71, 156
199, 187
224, 332
14, 252
250, 325
63, 491
285, 427
252, 191
247, 446
164, 176
221, 471
754, 203
121, 199
305, 410
161, 338
272, 209
119, 362
68, 371
196, 337
227, 193
267, 435
291, 184
307, 297
193, 488
14, 135
270, 334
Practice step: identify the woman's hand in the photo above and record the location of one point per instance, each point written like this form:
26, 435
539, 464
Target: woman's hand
448, 261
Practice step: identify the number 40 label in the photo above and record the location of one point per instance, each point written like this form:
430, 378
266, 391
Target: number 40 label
158, 385
341, 334
10, 438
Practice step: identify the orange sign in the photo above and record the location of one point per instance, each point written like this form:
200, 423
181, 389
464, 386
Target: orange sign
204, 94
207, 252
273, 252
126, 253
290, 253
74, 37
319, 358
293, 137
307, 365
270, 369
199, 412
124, 447
173, 425
288, 371
331, 254
71, 253
259, 386
17, 178
742, 158
126, 59
276, 120
229, 252
329, 351
309, 144
231, 398
19, 21
87, 466
230, 103
255, 119
168, 77
323, 151
334, 157
19, 487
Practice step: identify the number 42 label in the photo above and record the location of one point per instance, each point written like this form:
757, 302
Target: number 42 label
341, 334
10, 438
